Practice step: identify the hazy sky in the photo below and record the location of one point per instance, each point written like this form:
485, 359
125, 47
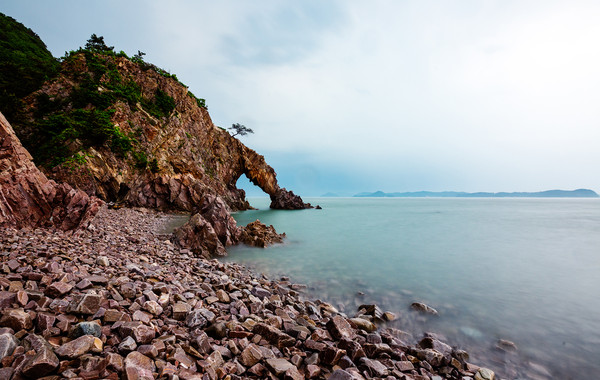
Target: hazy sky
351, 96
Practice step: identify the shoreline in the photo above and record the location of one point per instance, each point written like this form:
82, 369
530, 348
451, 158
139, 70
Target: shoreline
120, 300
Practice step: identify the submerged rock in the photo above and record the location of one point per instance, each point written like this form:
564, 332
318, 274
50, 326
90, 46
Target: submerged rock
422, 308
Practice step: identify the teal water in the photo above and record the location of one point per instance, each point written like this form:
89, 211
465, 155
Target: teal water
526, 270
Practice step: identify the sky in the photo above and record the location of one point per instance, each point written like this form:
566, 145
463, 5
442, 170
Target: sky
352, 96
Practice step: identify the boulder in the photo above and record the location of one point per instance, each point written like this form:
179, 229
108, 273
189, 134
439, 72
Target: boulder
200, 237
258, 234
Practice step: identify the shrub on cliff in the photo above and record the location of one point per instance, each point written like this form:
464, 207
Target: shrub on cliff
25, 63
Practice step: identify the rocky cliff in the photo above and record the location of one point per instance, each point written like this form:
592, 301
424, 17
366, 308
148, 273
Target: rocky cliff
124, 130
29, 199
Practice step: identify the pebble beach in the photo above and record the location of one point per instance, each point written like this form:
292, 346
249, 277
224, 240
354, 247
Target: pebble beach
119, 301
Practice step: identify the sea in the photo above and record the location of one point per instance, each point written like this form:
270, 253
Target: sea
518, 269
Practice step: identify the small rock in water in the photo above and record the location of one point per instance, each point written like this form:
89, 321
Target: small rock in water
421, 307
506, 345
485, 374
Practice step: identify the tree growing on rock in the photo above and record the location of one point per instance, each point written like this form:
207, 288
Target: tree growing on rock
96, 43
240, 129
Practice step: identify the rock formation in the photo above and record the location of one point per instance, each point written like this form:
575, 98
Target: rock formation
258, 234
29, 199
211, 230
168, 160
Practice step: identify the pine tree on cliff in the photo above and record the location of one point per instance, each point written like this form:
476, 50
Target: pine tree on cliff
97, 44
240, 129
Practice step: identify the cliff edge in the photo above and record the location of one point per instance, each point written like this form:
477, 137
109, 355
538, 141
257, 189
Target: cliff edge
29, 199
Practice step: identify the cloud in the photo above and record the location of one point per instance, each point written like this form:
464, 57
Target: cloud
436, 95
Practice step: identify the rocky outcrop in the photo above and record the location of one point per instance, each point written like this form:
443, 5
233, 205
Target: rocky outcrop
258, 234
210, 231
283, 199
200, 237
29, 199
187, 157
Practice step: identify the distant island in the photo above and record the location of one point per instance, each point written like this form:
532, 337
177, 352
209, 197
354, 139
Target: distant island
579, 193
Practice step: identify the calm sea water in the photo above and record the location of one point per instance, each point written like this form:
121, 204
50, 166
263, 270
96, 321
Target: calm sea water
525, 270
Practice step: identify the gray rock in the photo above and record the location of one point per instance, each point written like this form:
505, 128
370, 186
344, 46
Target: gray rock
8, 343
86, 328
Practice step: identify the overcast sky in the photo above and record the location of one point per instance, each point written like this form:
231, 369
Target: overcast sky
351, 96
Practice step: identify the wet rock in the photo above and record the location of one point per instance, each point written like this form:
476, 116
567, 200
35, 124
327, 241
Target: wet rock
485, 374
506, 345
363, 324
283, 199
422, 308
258, 234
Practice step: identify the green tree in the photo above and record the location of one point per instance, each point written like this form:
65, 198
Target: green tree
96, 44
25, 63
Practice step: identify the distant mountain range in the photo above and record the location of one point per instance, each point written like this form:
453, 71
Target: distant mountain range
579, 193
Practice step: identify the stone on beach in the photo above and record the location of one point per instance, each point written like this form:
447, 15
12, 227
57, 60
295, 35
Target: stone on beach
167, 313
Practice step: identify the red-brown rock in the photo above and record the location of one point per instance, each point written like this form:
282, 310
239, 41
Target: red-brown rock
16, 319
29, 199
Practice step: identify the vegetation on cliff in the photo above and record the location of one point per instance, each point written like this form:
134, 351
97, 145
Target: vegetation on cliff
125, 130
25, 63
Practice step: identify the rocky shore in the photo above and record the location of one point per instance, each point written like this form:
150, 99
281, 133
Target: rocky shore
119, 300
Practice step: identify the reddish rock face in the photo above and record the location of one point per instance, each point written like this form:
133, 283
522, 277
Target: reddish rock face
29, 199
